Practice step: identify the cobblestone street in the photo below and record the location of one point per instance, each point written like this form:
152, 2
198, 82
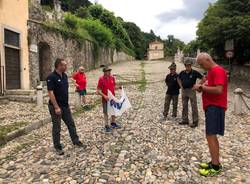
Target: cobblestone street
145, 150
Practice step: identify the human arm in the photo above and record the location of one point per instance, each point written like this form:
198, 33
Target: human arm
54, 102
74, 78
99, 92
209, 89
179, 82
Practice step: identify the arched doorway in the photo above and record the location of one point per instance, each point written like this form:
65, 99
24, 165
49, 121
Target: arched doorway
45, 63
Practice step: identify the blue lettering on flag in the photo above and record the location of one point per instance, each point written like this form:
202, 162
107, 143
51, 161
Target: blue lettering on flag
116, 105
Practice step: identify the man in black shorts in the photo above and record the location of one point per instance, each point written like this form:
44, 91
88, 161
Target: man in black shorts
214, 97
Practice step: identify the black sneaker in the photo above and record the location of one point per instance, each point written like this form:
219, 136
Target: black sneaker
59, 151
80, 145
183, 123
108, 129
115, 126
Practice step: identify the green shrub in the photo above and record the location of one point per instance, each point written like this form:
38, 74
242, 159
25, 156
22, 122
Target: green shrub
70, 20
66, 32
98, 31
83, 12
112, 22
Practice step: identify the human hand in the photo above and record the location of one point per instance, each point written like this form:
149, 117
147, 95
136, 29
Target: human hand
106, 97
197, 87
58, 111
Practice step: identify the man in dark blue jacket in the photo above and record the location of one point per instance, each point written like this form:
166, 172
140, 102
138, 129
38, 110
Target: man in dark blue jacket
172, 92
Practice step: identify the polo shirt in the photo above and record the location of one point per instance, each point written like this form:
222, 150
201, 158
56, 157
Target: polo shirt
217, 76
60, 87
80, 80
106, 83
173, 86
188, 79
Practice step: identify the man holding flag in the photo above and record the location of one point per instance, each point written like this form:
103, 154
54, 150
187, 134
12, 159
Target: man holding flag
105, 83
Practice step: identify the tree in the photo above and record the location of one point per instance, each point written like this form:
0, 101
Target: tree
73, 5
137, 38
191, 48
172, 44
223, 20
112, 22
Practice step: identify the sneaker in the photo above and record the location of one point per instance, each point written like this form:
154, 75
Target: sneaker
80, 145
206, 165
108, 129
115, 126
59, 151
210, 171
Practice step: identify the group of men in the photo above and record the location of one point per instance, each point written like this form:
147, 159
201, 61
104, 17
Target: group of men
214, 96
58, 91
213, 87
184, 81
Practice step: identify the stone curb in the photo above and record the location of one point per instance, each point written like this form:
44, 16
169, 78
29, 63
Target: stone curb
24, 130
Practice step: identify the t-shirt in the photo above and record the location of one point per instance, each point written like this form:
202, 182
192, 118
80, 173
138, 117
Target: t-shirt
215, 77
60, 87
188, 79
173, 86
106, 83
81, 80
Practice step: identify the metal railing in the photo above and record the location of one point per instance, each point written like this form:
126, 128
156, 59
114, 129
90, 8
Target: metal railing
244, 100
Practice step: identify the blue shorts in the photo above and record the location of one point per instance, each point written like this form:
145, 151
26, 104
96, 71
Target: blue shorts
82, 92
215, 120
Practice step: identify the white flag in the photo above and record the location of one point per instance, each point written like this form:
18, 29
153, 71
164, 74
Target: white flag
116, 107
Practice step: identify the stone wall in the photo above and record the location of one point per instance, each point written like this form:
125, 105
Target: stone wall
74, 53
241, 72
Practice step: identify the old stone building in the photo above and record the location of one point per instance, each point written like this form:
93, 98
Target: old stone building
155, 50
14, 59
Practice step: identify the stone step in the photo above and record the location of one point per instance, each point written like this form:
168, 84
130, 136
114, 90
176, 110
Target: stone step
4, 100
21, 98
20, 92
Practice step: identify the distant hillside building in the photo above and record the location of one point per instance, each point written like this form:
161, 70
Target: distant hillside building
155, 50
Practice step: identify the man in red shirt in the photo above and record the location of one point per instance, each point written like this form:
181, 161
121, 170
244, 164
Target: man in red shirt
214, 97
81, 82
105, 83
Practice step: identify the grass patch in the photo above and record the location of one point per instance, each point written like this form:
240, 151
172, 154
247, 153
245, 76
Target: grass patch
87, 108
143, 81
79, 35
5, 129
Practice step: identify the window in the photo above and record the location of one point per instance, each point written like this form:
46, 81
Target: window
11, 38
156, 47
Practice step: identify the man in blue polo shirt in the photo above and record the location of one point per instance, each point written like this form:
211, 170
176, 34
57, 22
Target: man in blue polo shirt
187, 79
58, 91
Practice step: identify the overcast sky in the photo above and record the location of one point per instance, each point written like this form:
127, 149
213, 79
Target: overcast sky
164, 17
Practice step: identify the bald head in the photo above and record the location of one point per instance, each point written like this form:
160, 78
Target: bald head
205, 60
81, 69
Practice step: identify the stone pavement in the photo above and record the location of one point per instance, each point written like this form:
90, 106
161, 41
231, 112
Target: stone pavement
143, 151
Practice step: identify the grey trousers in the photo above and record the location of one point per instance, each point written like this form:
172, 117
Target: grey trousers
189, 94
168, 100
66, 116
